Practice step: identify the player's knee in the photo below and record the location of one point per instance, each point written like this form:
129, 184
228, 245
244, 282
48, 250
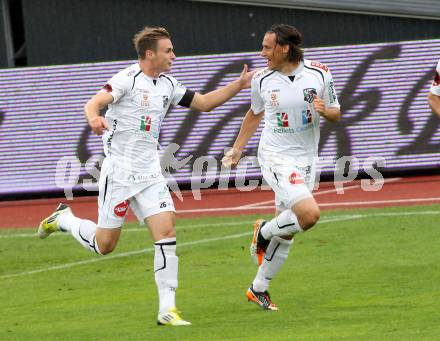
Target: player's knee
169, 232
309, 219
106, 246
164, 232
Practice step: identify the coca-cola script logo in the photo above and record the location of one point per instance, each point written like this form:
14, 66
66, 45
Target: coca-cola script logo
121, 209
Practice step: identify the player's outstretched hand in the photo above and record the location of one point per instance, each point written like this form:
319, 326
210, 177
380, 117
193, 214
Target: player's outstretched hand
98, 125
319, 104
231, 158
246, 77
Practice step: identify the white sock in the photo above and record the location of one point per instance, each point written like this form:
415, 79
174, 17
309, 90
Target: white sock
82, 230
67, 220
276, 254
285, 224
165, 272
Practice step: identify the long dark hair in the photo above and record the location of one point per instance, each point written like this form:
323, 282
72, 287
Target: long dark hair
289, 35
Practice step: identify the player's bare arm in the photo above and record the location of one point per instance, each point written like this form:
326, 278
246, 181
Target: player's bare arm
434, 103
248, 128
92, 108
213, 99
329, 113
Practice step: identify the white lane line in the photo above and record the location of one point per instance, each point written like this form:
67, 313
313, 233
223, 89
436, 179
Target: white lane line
201, 241
131, 229
317, 193
120, 255
181, 227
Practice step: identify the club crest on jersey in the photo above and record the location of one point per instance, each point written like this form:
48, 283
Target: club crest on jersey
306, 116
165, 100
309, 93
274, 99
144, 101
282, 119
121, 209
145, 123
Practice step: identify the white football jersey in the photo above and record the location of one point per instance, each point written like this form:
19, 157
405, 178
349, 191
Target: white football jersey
135, 117
435, 86
291, 124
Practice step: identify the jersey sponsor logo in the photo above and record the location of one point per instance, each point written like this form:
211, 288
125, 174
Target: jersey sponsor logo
309, 93
107, 88
282, 119
306, 116
320, 65
121, 209
145, 123
436, 81
296, 179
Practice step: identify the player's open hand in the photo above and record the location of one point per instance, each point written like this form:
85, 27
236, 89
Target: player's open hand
246, 77
98, 125
319, 104
231, 158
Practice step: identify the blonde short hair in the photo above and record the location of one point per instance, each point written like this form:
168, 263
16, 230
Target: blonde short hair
147, 38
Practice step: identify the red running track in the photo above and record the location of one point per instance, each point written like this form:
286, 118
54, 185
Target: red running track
422, 190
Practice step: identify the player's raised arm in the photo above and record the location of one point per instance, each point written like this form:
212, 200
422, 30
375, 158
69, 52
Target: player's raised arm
92, 108
250, 124
213, 99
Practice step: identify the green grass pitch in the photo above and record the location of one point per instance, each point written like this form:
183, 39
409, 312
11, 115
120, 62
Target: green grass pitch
371, 274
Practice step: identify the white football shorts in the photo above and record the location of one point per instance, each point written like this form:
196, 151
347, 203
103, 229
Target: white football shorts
291, 178
145, 195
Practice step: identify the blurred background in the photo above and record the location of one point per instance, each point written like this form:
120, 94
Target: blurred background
48, 32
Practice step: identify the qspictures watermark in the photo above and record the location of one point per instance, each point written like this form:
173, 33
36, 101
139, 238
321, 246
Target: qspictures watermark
207, 172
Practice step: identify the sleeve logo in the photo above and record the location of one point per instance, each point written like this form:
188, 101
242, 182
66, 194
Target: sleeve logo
320, 66
107, 88
436, 81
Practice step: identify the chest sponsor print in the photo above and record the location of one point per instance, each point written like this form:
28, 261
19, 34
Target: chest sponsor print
306, 116
145, 123
282, 119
